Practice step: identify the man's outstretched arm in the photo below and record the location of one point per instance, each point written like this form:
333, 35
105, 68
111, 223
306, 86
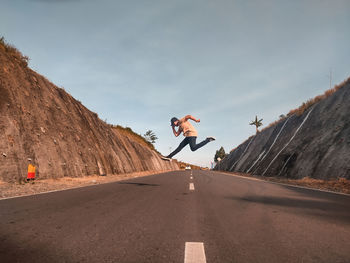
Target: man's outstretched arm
190, 117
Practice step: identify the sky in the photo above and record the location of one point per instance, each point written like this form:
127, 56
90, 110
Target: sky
139, 63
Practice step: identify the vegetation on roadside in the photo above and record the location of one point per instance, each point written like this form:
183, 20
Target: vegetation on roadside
127, 131
220, 154
306, 105
150, 136
14, 52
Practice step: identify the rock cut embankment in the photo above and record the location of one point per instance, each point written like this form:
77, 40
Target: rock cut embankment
42, 124
314, 144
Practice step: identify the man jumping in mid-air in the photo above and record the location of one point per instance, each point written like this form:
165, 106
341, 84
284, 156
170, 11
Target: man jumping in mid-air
189, 132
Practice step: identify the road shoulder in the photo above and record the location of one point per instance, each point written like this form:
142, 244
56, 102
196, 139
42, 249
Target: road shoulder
12, 190
339, 186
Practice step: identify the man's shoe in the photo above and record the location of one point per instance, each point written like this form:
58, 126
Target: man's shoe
211, 138
165, 158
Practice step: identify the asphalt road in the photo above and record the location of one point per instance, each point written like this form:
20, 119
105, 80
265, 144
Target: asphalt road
150, 219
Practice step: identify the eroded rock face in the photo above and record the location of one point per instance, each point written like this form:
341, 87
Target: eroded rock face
42, 124
314, 144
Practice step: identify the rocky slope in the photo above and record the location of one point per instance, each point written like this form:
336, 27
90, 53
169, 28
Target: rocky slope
42, 124
314, 144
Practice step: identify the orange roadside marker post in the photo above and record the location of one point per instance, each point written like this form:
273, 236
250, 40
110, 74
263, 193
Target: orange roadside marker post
31, 173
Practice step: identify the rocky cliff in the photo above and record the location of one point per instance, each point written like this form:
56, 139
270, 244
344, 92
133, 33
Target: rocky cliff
315, 143
44, 125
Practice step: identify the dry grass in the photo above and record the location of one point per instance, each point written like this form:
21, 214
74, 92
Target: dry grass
272, 124
14, 52
337, 185
133, 135
306, 105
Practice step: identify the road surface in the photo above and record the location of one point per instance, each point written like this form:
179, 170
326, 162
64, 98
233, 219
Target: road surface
209, 216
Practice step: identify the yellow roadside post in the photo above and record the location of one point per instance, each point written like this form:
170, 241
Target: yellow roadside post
31, 172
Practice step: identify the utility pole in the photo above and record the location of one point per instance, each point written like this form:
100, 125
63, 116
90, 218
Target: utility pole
330, 78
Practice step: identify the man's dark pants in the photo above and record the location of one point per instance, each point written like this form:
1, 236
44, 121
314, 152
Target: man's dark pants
191, 140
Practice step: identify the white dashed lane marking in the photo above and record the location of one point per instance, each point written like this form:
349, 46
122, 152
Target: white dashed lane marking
192, 186
194, 252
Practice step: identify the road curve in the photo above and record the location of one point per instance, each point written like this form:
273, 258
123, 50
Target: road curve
151, 219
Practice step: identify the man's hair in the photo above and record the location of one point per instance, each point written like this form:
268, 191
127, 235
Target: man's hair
173, 119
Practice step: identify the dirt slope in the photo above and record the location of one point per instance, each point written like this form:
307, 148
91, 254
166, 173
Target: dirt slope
42, 124
314, 144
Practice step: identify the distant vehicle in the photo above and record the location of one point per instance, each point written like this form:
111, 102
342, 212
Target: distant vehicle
188, 168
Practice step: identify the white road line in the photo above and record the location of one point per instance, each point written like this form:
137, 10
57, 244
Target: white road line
191, 177
194, 252
192, 186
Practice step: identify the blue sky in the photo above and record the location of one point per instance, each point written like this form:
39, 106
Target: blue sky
139, 63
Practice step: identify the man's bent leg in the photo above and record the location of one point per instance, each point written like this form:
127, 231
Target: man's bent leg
194, 146
179, 148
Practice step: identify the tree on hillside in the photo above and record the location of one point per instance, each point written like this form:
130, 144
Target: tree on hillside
257, 123
150, 136
219, 154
